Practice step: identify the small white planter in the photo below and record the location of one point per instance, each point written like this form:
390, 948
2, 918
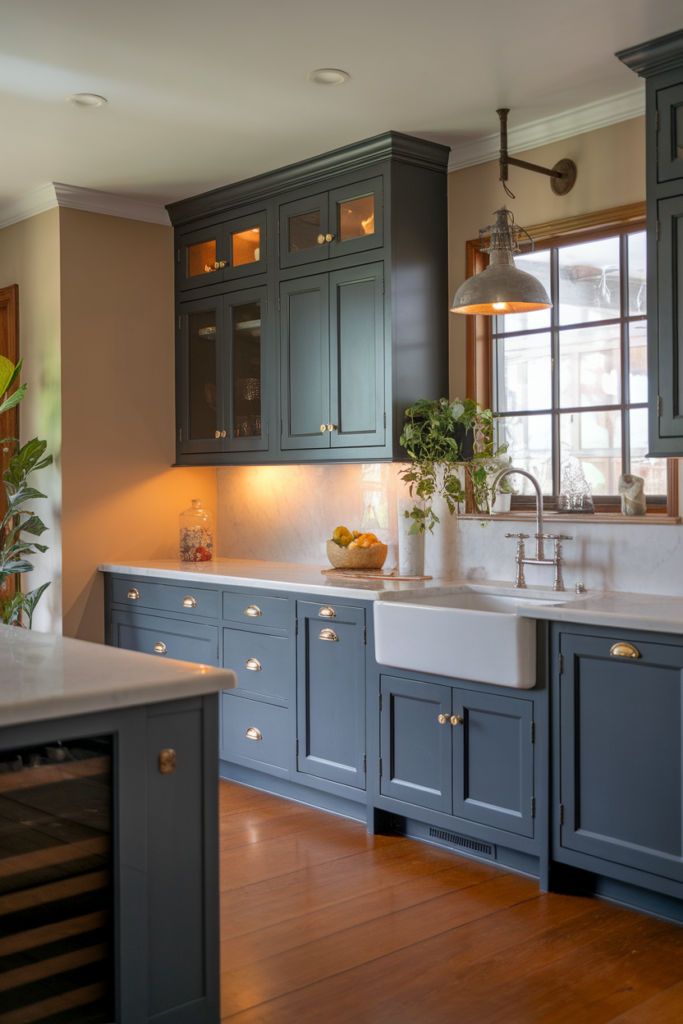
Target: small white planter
501, 504
411, 547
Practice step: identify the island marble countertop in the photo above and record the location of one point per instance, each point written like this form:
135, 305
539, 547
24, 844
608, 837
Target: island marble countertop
661, 614
43, 676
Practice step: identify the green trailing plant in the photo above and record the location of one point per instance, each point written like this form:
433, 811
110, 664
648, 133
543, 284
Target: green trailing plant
441, 437
19, 525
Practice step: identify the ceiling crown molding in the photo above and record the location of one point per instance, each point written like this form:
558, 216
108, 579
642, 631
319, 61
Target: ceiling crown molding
551, 129
76, 198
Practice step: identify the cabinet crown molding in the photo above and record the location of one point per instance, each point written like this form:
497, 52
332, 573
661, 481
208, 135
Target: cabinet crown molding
656, 56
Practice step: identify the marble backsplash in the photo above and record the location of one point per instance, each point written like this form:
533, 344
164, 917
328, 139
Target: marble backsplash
286, 514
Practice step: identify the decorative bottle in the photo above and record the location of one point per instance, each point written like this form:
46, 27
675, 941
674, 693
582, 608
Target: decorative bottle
196, 533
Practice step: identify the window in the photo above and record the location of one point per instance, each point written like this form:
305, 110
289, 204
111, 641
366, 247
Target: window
569, 384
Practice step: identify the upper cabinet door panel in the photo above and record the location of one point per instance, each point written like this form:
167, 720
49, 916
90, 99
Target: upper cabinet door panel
246, 246
304, 230
245, 383
200, 375
356, 217
669, 342
202, 258
357, 357
670, 135
305, 363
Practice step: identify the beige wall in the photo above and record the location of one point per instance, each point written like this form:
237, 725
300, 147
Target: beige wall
29, 257
121, 498
611, 172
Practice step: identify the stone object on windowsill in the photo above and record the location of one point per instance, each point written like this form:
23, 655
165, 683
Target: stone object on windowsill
631, 489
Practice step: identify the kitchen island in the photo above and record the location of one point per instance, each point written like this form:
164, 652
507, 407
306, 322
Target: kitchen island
108, 833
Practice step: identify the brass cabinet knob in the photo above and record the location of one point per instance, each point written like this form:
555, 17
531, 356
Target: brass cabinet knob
133, 594
323, 428
328, 634
321, 239
328, 237
159, 647
624, 650
327, 613
456, 719
189, 602
331, 427
254, 665
167, 761
253, 610
254, 734
223, 433
444, 719
220, 265
217, 433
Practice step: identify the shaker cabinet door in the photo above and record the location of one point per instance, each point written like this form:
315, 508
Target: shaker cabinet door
670, 134
305, 363
199, 376
666, 357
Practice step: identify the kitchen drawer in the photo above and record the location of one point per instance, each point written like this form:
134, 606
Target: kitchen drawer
268, 612
166, 597
187, 641
263, 663
266, 723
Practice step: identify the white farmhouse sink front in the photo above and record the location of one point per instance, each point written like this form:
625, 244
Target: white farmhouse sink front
470, 634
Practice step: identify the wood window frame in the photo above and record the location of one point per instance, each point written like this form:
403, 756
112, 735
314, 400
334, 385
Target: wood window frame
479, 334
9, 421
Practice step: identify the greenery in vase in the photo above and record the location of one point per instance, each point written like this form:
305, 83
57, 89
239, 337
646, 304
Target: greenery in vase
440, 437
18, 520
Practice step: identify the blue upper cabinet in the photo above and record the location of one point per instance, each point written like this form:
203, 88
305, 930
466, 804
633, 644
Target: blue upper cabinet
349, 251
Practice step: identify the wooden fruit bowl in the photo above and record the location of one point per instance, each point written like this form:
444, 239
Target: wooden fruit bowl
373, 557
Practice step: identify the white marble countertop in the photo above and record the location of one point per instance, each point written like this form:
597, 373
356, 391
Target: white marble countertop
43, 676
661, 614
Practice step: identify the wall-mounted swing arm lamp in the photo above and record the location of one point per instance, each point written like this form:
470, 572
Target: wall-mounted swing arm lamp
501, 288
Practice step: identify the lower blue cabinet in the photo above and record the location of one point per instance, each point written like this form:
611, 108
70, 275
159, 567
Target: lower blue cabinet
619, 752
172, 638
255, 734
462, 752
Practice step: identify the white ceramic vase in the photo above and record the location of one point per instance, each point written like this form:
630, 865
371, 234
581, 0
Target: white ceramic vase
411, 547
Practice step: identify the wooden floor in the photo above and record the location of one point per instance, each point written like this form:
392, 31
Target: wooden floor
322, 924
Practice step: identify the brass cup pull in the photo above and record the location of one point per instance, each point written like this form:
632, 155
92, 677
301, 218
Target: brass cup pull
327, 613
254, 733
159, 647
456, 719
323, 428
321, 239
328, 634
254, 665
624, 650
253, 610
444, 719
189, 602
133, 595
167, 761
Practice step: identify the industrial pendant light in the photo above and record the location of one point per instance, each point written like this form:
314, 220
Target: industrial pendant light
502, 288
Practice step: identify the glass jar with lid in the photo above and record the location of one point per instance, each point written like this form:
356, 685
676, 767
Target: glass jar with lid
196, 533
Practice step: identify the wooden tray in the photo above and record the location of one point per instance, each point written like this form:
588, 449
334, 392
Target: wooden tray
373, 574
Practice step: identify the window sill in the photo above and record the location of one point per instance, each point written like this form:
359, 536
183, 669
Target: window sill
652, 519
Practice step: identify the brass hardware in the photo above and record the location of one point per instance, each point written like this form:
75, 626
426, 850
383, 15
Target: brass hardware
223, 433
254, 733
328, 634
624, 650
444, 719
133, 594
167, 761
189, 602
323, 428
321, 239
217, 433
456, 719
254, 665
331, 427
159, 647
327, 613
219, 266
252, 610
328, 237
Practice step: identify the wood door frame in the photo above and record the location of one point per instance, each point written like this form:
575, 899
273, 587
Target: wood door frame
9, 421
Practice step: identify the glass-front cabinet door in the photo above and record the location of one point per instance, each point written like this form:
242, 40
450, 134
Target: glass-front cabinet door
670, 135
330, 224
221, 374
222, 252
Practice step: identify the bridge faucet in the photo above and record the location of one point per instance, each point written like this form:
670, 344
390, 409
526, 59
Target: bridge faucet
539, 505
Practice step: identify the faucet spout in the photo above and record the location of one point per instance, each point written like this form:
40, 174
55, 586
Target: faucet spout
539, 504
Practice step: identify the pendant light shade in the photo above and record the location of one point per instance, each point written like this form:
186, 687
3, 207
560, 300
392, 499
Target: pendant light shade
501, 288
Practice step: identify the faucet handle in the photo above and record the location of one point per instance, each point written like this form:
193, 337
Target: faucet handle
521, 536
556, 536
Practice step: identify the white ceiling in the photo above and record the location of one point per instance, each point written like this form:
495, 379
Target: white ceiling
205, 92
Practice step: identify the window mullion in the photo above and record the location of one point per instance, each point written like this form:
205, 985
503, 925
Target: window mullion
624, 333
555, 366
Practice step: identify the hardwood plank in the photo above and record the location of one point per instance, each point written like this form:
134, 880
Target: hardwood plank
286, 897
270, 978
319, 923
52, 965
234, 798
335, 839
662, 1008
67, 1001
258, 825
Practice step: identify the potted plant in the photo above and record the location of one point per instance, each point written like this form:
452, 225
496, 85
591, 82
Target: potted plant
18, 520
446, 441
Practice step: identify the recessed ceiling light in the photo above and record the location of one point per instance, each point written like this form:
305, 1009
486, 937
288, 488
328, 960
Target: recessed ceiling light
87, 99
328, 76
